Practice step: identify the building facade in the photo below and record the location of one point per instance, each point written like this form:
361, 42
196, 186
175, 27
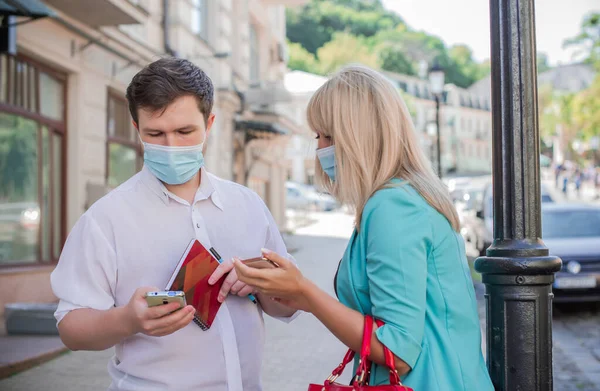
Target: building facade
465, 119
66, 136
465, 125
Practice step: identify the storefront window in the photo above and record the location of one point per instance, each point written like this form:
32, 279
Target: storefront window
124, 153
31, 163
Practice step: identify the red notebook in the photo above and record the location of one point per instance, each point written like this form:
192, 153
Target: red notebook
191, 276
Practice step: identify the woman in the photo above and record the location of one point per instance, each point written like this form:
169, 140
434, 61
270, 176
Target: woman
405, 263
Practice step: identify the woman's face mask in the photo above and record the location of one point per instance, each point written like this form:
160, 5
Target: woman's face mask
326, 157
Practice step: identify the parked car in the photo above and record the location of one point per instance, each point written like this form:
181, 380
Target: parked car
321, 201
572, 232
296, 197
306, 197
477, 224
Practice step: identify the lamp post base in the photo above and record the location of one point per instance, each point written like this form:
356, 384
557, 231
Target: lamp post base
519, 320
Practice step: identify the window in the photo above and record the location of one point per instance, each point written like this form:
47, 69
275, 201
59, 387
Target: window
32, 134
199, 20
254, 55
123, 149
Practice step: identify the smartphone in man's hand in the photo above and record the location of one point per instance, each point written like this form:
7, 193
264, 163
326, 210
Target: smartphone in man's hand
165, 297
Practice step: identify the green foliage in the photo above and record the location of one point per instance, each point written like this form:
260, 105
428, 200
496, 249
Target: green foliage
586, 111
577, 115
588, 40
344, 49
301, 59
350, 31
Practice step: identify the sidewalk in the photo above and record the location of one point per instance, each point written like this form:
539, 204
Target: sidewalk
587, 195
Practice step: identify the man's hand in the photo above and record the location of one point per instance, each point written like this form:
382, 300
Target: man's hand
231, 283
155, 321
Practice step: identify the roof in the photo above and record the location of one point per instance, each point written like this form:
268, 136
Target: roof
568, 78
563, 78
300, 82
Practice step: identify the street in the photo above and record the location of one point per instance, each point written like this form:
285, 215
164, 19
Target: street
304, 351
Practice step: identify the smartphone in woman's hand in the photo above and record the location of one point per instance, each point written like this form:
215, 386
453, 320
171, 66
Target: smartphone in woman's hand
260, 263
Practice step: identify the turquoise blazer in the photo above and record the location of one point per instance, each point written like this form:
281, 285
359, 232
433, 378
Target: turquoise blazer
407, 267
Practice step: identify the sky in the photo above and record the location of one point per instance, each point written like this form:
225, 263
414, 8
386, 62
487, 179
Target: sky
467, 22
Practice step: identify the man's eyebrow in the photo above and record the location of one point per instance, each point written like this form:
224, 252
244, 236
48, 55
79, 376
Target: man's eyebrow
150, 130
186, 127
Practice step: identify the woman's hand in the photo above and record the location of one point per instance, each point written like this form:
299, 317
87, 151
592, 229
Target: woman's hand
284, 284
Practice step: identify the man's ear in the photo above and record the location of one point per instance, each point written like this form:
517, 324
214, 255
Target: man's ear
210, 122
135, 125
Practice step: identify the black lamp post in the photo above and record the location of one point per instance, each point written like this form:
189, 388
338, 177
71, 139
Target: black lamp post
518, 271
436, 81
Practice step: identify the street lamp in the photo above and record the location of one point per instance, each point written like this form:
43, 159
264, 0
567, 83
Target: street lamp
518, 271
436, 81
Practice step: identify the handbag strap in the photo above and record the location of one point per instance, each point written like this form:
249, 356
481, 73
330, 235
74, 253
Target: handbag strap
390, 361
364, 366
337, 372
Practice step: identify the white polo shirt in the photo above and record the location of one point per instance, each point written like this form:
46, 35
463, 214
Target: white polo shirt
134, 237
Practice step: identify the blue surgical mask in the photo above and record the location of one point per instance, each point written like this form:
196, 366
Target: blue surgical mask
327, 159
173, 165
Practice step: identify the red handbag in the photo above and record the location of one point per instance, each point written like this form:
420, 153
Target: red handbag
361, 380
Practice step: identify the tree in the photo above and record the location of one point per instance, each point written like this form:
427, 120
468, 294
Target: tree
314, 24
586, 111
301, 59
393, 60
303, 27
588, 40
382, 38
344, 49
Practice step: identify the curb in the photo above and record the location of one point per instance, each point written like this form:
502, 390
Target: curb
11, 369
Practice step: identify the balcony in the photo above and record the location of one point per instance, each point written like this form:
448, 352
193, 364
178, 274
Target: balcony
97, 13
267, 94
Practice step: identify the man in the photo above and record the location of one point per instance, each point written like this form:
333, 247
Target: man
129, 242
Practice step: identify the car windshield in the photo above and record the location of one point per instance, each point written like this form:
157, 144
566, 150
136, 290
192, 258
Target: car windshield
570, 223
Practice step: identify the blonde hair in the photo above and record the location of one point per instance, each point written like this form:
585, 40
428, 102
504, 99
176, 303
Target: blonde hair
367, 120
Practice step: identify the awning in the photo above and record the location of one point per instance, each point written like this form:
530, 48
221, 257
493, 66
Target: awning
29, 8
261, 126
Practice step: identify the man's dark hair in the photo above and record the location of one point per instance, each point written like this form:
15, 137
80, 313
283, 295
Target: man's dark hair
160, 83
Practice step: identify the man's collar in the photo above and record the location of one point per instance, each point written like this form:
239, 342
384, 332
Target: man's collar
206, 190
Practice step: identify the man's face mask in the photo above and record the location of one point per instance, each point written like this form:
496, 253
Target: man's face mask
173, 165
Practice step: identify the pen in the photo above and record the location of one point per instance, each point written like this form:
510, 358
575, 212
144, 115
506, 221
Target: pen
220, 260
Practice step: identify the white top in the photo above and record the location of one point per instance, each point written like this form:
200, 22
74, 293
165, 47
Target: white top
134, 237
